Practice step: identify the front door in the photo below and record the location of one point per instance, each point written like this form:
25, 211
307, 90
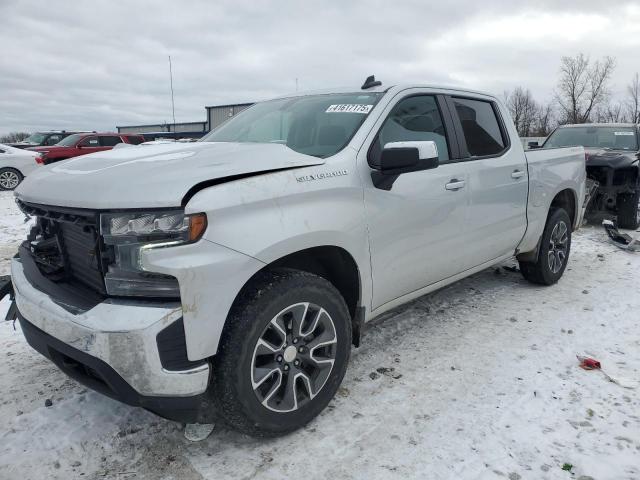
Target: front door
416, 220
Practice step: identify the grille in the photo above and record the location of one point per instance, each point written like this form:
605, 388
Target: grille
79, 243
81, 255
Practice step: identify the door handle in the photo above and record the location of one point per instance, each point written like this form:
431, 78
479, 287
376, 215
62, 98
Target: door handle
517, 174
455, 184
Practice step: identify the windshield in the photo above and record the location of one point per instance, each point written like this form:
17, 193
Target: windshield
69, 141
614, 138
35, 139
318, 125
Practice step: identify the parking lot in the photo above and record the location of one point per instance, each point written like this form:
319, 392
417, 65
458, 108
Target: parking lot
479, 380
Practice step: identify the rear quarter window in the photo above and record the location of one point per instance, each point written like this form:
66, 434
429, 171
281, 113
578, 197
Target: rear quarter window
481, 127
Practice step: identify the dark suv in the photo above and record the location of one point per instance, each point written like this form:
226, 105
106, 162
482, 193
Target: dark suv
84, 143
612, 155
40, 139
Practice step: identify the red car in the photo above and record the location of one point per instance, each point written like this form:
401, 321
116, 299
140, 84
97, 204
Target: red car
82, 144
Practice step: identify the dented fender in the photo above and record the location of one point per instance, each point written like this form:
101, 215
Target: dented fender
210, 276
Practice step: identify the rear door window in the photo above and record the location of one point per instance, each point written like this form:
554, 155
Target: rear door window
135, 140
110, 140
481, 128
53, 139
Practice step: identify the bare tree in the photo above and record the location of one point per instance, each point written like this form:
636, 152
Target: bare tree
633, 100
609, 112
545, 120
583, 86
14, 137
523, 109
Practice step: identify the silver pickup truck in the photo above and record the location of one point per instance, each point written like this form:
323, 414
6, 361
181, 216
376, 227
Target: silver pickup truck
229, 278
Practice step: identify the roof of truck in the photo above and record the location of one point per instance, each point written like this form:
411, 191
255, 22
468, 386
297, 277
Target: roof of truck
384, 88
577, 125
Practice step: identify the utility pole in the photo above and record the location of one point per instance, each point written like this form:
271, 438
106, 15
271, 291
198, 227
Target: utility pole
173, 107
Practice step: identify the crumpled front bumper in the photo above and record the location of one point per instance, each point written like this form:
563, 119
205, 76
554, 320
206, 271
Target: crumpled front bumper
112, 347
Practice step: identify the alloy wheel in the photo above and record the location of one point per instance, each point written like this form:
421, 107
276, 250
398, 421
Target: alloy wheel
293, 357
9, 180
558, 244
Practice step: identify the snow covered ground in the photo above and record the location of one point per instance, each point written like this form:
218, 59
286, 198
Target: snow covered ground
477, 381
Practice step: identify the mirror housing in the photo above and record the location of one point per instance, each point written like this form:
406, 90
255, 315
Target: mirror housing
533, 145
412, 156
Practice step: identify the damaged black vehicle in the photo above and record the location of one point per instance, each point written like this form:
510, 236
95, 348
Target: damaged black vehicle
612, 158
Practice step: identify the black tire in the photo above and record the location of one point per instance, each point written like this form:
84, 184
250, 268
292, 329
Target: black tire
10, 178
627, 204
545, 271
251, 317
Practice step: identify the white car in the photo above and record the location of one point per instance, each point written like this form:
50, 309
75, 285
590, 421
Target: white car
15, 164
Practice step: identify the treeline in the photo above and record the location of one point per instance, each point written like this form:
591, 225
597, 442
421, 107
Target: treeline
14, 137
582, 95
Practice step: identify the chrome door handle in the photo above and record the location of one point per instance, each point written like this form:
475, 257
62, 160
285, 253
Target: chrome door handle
517, 174
455, 184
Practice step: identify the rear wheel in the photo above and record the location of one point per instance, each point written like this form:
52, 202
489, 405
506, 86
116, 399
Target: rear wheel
628, 212
10, 178
283, 354
555, 246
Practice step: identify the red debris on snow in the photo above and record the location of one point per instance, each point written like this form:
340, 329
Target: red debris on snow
589, 363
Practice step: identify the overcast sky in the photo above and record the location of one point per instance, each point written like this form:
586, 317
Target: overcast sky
98, 64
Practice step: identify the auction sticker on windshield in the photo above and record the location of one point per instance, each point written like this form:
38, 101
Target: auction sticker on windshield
623, 133
349, 108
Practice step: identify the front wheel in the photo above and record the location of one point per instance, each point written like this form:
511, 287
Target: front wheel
10, 178
555, 246
283, 354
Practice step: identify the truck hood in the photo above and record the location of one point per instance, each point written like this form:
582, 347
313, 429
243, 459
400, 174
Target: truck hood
615, 159
152, 176
22, 144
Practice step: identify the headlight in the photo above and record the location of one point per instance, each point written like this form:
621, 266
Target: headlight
127, 235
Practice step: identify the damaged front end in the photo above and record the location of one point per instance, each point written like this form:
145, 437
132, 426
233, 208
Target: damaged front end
617, 175
131, 348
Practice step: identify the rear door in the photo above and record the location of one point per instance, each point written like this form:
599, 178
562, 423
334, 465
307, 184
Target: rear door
497, 183
415, 220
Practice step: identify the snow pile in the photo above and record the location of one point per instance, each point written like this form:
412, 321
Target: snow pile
477, 381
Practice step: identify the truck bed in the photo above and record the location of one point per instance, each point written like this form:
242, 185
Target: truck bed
550, 172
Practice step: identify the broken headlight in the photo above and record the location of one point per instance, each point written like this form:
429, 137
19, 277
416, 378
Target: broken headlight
127, 235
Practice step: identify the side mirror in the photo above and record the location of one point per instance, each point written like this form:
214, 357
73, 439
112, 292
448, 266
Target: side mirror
533, 145
403, 157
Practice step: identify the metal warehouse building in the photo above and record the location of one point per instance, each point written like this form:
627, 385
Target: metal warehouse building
216, 115
185, 127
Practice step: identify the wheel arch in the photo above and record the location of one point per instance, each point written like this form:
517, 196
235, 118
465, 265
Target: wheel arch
334, 264
568, 200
